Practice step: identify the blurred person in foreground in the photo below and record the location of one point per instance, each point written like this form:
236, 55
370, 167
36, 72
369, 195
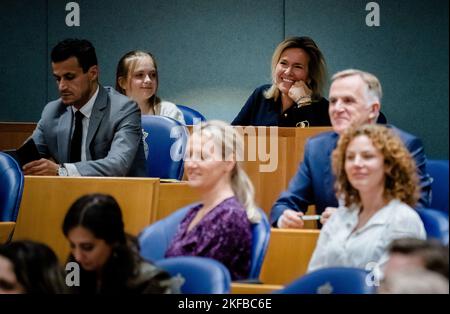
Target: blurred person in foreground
108, 257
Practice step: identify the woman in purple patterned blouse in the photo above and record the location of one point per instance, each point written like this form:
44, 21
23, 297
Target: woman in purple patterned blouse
220, 226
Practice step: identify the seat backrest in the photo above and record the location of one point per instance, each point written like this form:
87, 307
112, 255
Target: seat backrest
155, 239
11, 187
334, 280
201, 275
438, 169
435, 223
189, 115
166, 140
260, 242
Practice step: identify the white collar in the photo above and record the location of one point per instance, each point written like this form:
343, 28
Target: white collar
86, 110
382, 216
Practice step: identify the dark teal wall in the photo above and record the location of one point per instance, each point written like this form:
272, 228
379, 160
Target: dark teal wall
213, 53
23, 65
408, 52
210, 54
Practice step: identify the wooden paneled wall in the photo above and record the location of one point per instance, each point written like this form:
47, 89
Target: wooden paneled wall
13, 134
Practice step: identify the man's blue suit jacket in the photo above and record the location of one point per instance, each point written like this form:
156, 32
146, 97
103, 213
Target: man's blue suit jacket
314, 181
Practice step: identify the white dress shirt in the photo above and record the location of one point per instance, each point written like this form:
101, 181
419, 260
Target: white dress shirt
86, 110
366, 248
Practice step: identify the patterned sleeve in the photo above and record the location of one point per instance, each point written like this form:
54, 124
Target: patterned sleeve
223, 238
228, 241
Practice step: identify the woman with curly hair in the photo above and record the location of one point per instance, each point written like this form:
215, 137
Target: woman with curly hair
377, 185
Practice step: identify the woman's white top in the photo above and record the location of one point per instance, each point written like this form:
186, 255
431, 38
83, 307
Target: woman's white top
168, 109
366, 248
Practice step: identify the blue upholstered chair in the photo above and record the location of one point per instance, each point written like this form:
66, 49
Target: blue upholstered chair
435, 219
438, 169
11, 188
155, 239
166, 140
260, 242
435, 223
334, 280
189, 115
201, 275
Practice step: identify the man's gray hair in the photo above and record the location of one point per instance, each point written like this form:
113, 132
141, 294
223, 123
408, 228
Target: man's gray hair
374, 92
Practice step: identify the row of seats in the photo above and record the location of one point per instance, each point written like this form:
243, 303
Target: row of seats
167, 139
435, 219
203, 275
261, 237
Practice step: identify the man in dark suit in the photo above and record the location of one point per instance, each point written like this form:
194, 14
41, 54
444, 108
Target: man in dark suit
354, 100
90, 130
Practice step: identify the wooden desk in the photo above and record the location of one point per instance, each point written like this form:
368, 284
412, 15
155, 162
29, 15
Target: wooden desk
6, 229
173, 196
268, 185
13, 134
288, 255
248, 288
288, 150
289, 153
46, 200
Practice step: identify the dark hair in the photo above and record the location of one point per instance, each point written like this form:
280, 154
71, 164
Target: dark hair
36, 267
101, 215
82, 49
433, 254
98, 213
